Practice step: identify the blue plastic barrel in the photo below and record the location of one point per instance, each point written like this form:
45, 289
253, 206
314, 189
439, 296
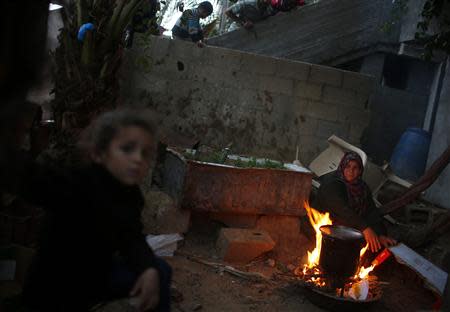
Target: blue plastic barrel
409, 158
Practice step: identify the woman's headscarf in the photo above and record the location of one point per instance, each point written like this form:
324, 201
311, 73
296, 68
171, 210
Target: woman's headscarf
356, 190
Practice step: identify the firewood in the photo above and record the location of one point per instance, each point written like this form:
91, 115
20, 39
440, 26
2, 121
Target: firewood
254, 276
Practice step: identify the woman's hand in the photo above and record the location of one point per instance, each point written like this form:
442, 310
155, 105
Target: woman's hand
147, 290
387, 241
372, 239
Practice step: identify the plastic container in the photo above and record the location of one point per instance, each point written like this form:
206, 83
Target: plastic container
410, 155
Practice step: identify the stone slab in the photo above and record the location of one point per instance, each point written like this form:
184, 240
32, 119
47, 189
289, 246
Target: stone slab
243, 245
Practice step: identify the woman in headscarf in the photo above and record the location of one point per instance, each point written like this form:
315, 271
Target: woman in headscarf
347, 197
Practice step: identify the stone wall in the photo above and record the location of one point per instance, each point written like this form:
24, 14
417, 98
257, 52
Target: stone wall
261, 105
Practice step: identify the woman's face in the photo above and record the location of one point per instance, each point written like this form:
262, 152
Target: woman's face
352, 171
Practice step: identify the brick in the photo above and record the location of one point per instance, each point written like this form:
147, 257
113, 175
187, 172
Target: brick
301, 105
276, 85
359, 82
293, 70
325, 129
306, 125
339, 96
323, 111
356, 131
243, 245
310, 146
353, 114
363, 99
328, 75
308, 90
258, 64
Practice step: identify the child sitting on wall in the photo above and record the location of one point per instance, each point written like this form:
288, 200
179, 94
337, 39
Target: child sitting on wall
93, 248
188, 26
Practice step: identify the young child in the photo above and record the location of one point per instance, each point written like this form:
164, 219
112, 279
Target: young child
188, 25
93, 248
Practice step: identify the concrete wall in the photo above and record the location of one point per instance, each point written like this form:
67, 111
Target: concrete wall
264, 106
393, 111
318, 33
439, 192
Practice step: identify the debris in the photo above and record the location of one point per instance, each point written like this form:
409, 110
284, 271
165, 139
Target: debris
163, 245
329, 159
252, 191
434, 276
243, 245
162, 215
422, 184
271, 263
253, 276
359, 290
296, 161
291, 267
197, 307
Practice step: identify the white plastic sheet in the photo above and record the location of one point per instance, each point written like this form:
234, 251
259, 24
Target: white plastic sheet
434, 276
164, 245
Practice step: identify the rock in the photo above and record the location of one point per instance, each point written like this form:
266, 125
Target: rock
197, 307
243, 245
161, 214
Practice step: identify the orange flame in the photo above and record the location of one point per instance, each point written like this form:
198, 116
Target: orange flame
317, 220
364, 272
363, 251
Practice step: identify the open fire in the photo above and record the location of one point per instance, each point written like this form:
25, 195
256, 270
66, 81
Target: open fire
359, 287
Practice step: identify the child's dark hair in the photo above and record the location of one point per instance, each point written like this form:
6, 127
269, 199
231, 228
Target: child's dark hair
99, 134
206, 6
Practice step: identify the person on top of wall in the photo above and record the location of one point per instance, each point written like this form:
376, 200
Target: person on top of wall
92, 248
188, 25
348, 198
143, 21
248, 12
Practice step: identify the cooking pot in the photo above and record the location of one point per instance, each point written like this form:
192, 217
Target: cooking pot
339, 255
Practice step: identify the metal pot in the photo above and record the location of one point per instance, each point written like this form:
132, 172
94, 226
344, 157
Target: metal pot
339, 255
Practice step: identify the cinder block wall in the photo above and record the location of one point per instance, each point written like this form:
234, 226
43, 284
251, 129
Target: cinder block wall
264, 106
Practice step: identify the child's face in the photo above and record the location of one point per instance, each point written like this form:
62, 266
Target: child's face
129, 155
202, 13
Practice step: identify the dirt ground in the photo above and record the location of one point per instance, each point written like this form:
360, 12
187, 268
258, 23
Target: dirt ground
201, 287
204, 288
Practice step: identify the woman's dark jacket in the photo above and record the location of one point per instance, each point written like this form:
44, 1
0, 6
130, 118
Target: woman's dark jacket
332, 197
92, 217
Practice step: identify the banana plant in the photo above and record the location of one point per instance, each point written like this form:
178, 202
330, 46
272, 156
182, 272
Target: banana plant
86, 73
